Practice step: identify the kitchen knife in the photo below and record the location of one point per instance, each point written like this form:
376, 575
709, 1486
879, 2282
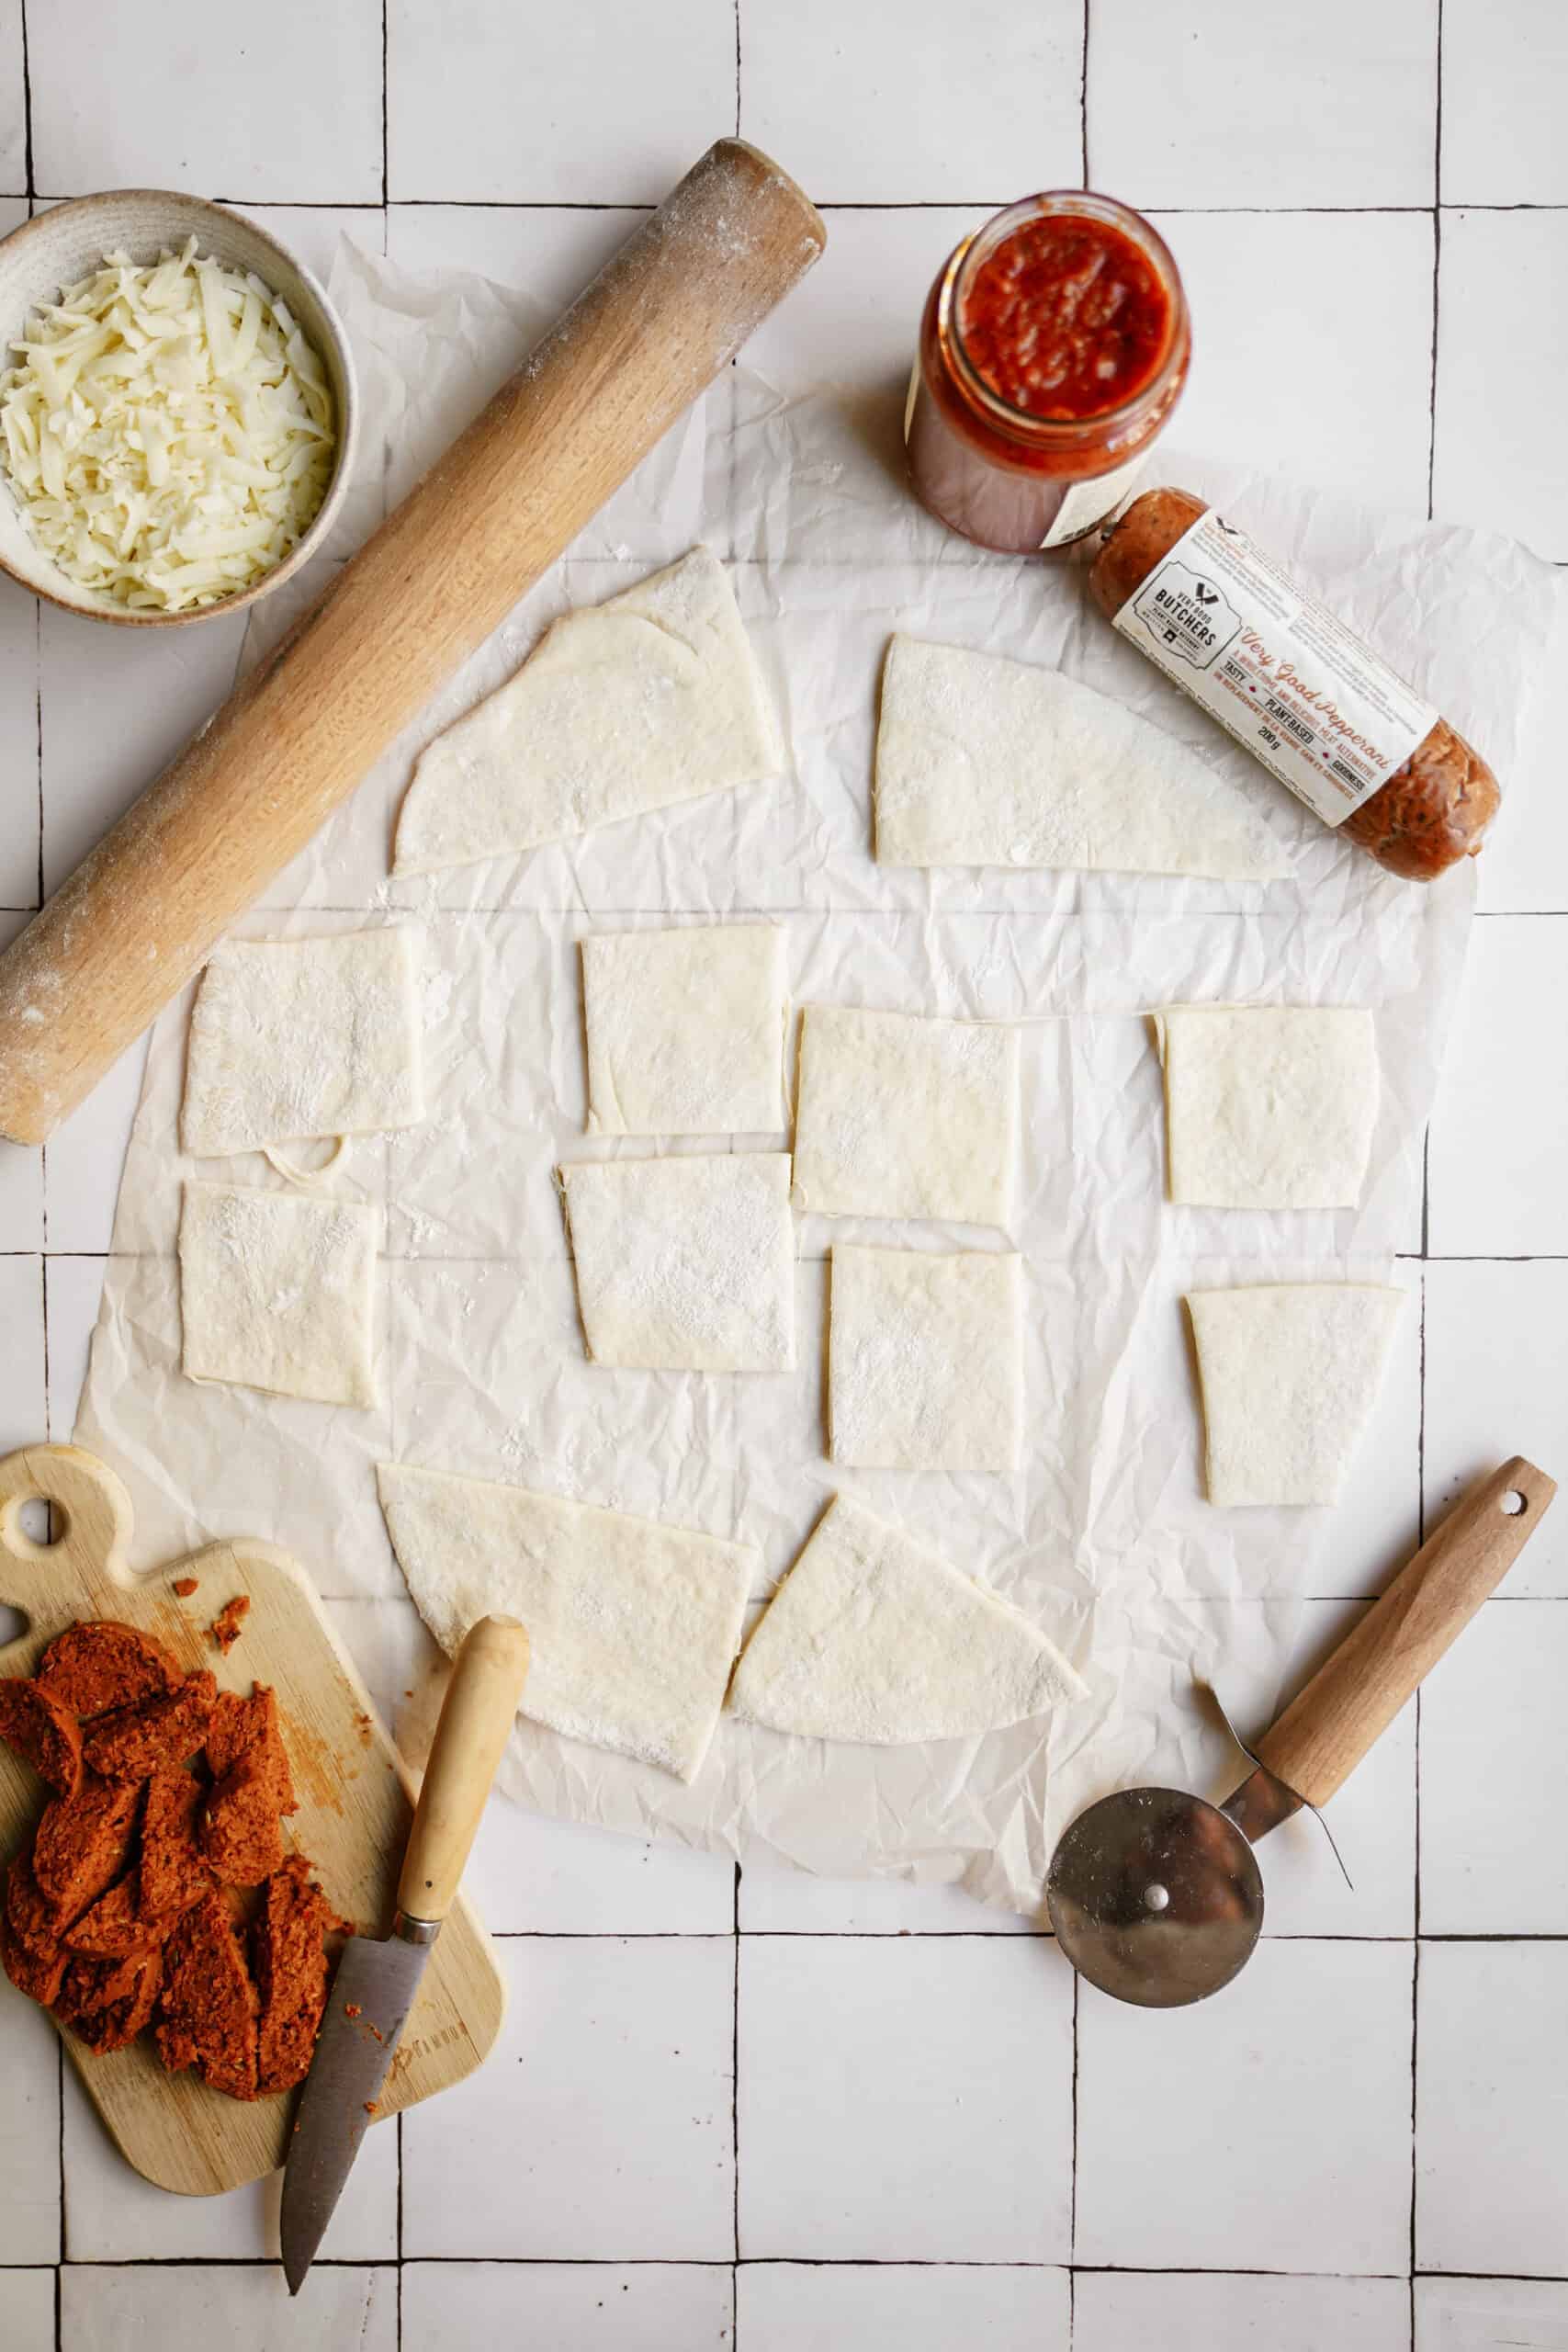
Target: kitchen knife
377, 1981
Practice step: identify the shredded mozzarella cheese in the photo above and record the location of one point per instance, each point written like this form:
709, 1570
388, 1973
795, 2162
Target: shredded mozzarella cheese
167, 430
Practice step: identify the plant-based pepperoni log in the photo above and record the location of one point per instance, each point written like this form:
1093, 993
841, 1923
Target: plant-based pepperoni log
1292, 683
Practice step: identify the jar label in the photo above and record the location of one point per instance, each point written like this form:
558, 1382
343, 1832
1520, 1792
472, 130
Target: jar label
1089, 503
1276, 668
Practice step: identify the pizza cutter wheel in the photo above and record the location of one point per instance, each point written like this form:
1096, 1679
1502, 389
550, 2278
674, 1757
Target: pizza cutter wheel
1155, 1896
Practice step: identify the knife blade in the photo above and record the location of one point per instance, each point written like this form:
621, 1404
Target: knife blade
377, 1982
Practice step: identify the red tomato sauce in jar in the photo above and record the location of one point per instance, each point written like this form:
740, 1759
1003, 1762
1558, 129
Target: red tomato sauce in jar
1064, 318
1055, 344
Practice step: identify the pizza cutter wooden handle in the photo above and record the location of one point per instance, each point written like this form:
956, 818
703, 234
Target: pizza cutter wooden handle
476, 1716
138, 918
1355, 1695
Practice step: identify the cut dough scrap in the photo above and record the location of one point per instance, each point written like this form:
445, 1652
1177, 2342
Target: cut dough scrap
685, 1030
1268, 1106
925, 1359
902, 1116
632, 1625
622, 708
685, 1264
874, 1637
294, 1038
276, 1292
982, 761
1290, 1375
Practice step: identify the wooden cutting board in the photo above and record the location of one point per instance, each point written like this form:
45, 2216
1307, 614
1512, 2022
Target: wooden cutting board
354, 1791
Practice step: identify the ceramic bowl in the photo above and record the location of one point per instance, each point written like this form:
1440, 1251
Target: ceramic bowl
68, 242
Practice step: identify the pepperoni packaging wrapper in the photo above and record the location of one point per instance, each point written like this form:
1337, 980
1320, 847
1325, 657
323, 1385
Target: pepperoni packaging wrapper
1313, 702
1103, 1536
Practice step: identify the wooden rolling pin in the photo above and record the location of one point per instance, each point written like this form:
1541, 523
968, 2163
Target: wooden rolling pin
141, 913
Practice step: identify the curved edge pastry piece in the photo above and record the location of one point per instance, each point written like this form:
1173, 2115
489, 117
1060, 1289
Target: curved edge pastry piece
874, 1637
985, 761
633, 1624
624, 707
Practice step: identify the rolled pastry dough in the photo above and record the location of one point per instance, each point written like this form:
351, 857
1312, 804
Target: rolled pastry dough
1289, 1373
1268, 1106
685, 1030
632, 1625
981, 761
276, 1292
902, 1116
925, 1365
622, 708
292, 1038
685, 1264
874, 1637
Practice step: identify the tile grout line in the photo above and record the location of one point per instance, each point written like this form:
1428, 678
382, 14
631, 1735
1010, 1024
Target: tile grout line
1083, 96
30, 190
1426, 1214
735, 2113
1073, 2169
386, 155
1436, 269
992, 203
738, 68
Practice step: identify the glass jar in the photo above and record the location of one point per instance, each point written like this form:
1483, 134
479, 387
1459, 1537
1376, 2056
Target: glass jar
1055, 344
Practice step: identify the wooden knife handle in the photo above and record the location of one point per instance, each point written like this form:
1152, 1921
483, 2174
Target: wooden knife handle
129, 928
476, 1716
1355, 1695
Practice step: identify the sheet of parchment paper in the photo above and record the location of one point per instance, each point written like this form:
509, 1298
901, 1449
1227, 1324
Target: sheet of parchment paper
1102, 1535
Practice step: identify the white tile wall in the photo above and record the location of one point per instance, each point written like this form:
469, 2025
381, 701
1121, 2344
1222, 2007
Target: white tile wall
790, 2306
111, 108
1495, 1388
1371, 279
848, 2047
1497, 1170
1332, 105
601, 2130
29, 2133
1504, 94
1495, 1777
560, 113
29, 2310
950, 106
190, 2309
1501, 347
881, 2088
1112, 2311
1492, 2108
1276, 2115
609, 2306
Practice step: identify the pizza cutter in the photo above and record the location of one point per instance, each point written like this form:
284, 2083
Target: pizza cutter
1155, 1896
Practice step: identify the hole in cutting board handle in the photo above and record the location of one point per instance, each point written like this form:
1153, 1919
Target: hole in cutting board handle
1514, 1503
36, 1523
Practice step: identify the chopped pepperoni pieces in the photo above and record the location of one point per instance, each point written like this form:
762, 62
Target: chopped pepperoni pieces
97, 1664
44, 1733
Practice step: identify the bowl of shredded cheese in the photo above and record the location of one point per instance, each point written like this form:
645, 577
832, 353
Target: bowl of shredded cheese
176, 409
